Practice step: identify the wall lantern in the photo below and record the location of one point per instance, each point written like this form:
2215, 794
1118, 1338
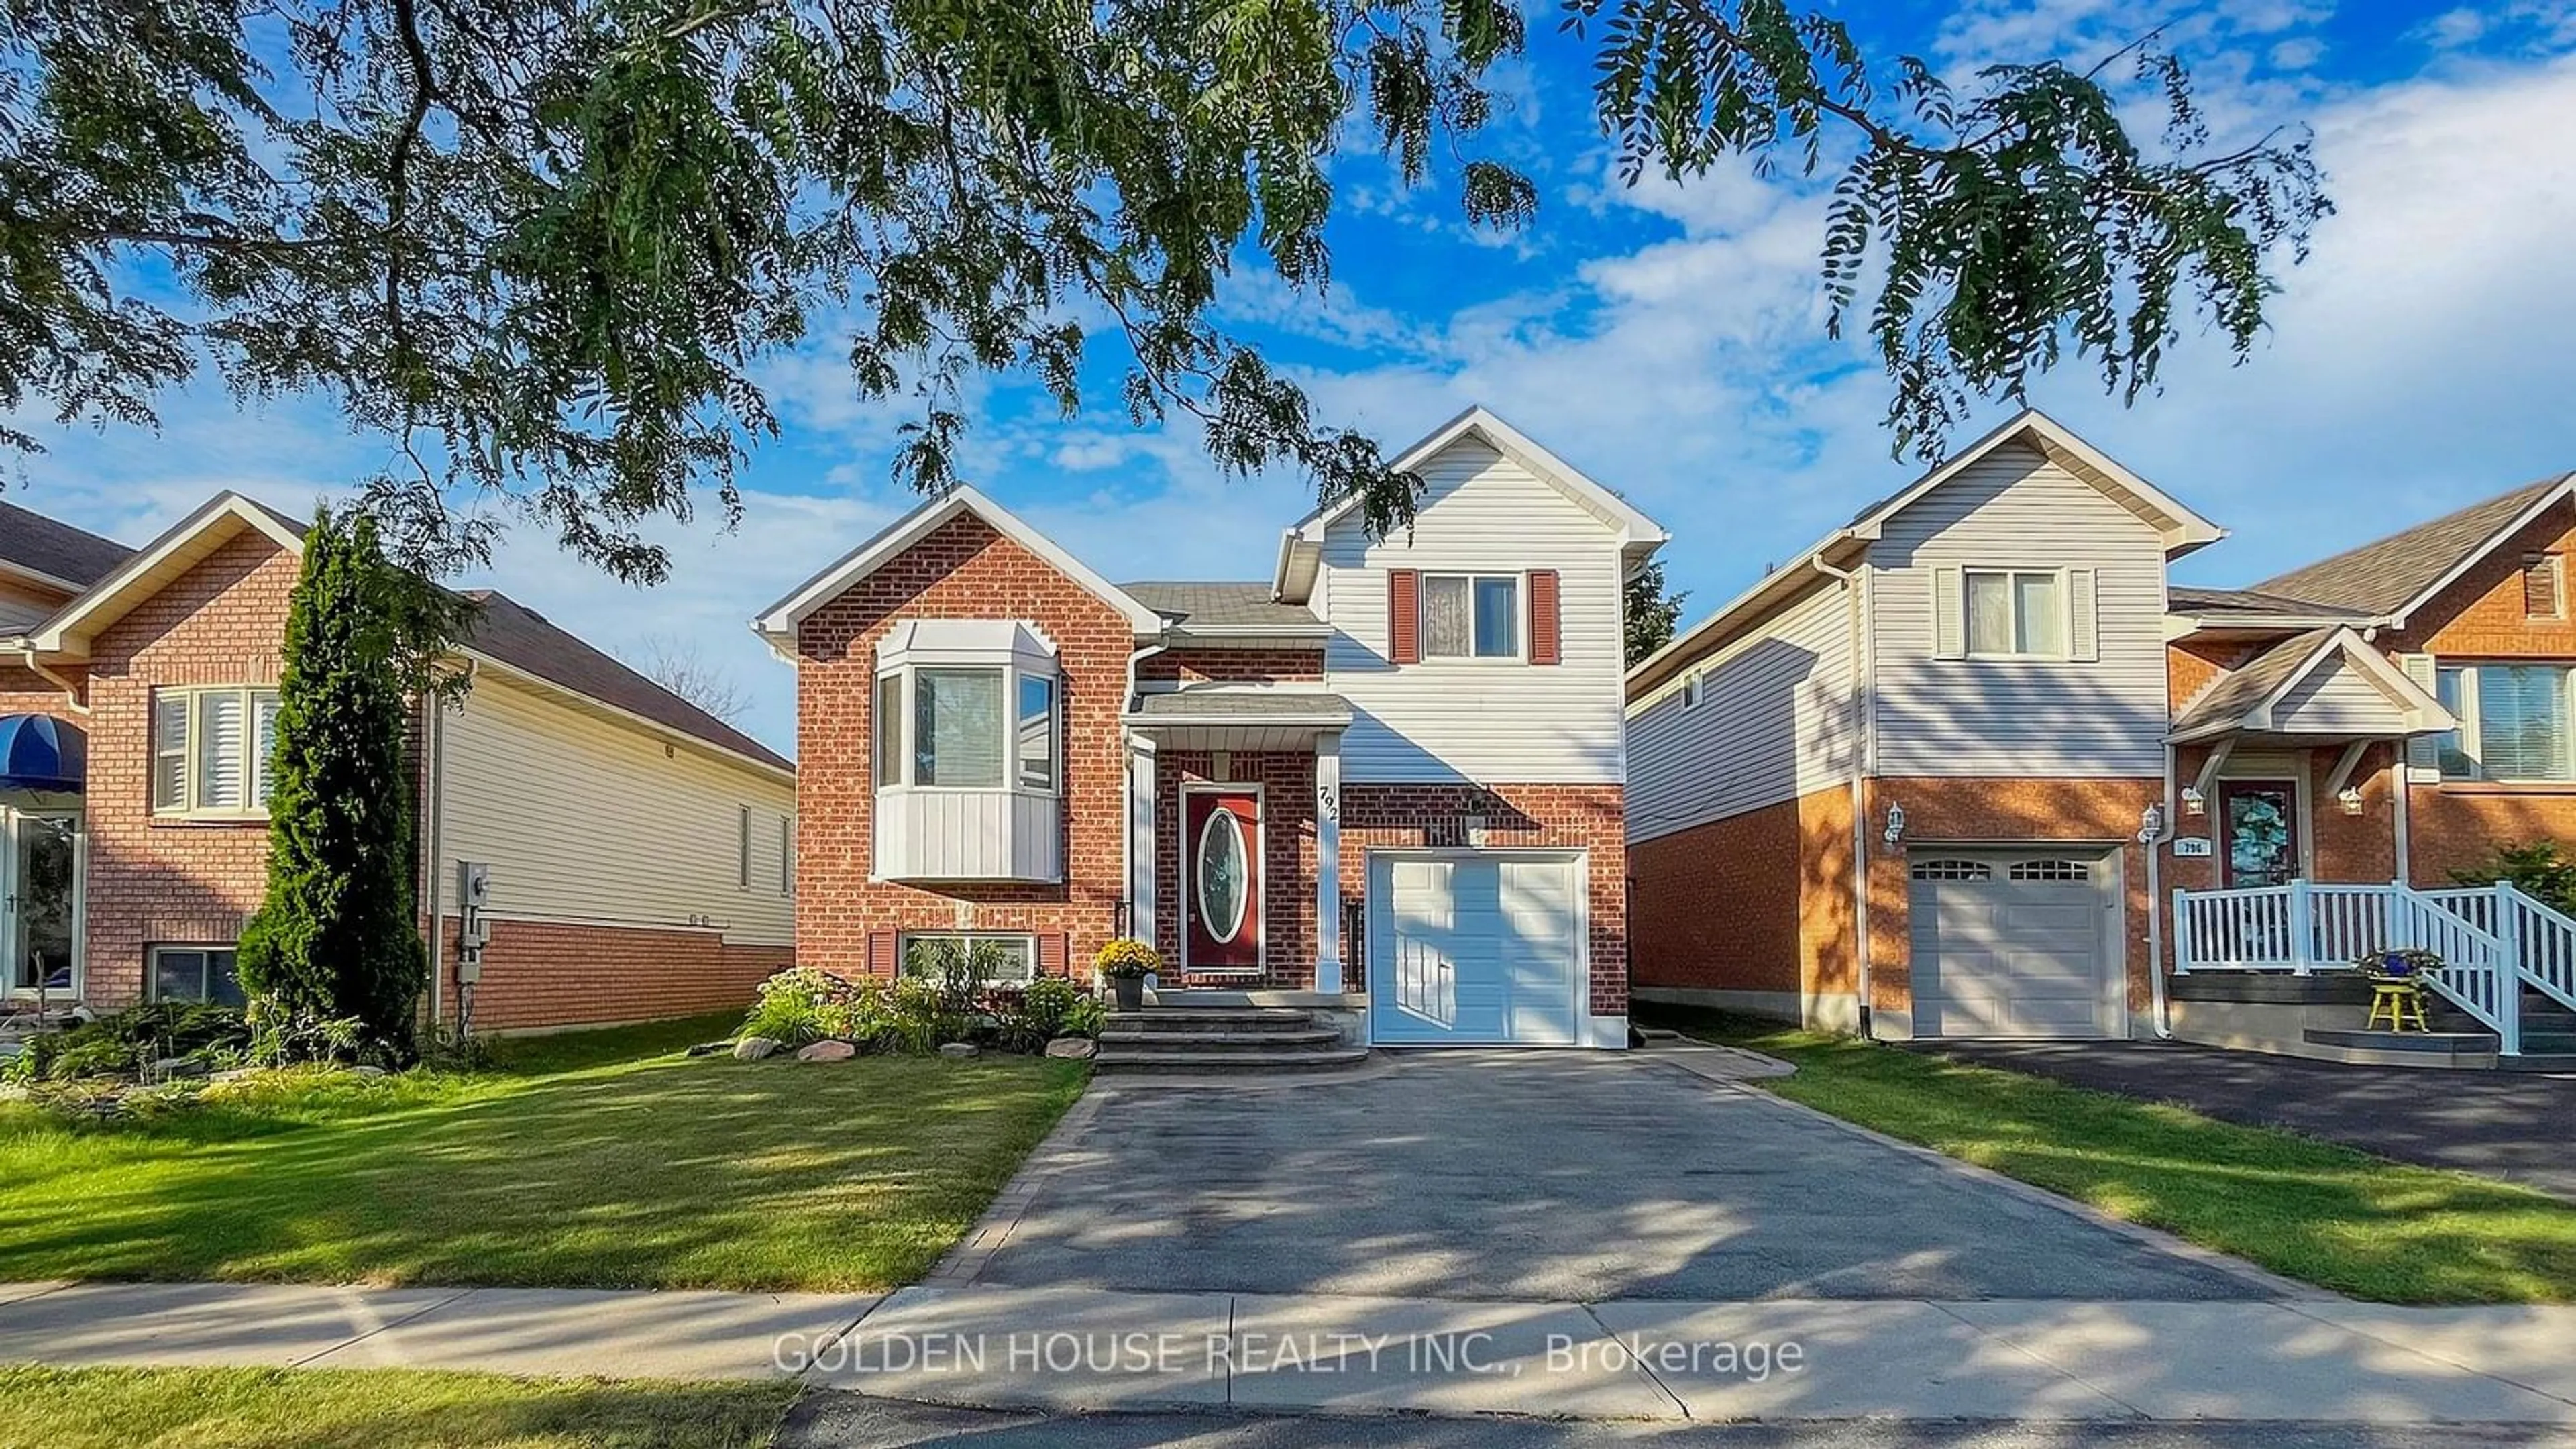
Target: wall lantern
1895, 824
2349, 797
2192, 804
2151, 823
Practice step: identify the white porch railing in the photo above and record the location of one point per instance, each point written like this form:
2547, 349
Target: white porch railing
2303, 927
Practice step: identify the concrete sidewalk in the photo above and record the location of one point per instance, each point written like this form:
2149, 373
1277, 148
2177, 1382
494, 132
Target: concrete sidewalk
1078, 1349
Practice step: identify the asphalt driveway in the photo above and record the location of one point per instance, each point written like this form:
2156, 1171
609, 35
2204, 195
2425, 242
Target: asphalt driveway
2508, 1125
1571, 1176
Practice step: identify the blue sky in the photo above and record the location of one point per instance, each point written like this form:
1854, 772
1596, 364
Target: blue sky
1668, 341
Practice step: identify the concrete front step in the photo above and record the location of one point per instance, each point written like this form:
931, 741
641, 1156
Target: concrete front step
1128, 1061
1224, 1041
1186, 1019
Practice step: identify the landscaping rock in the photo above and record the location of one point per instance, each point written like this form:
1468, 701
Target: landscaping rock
753, 1048
961, 1049
828, 1051
1072, 1046
366, 1074
169, 1067
234, 1074
711, 1048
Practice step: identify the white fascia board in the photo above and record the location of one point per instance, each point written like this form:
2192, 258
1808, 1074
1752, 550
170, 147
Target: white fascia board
1615, 512
779, 620
2546, 501
69, 630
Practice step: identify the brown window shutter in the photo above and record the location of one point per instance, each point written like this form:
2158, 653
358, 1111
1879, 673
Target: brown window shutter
1546, 635
1051, 953
881, 953
1404, 616
2540, 586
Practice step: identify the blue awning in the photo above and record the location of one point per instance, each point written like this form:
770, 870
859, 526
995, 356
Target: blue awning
40, 752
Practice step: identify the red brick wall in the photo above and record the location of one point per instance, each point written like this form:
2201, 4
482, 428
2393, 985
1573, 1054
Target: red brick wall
1590, 816
962, 570
165, 881
541, 974
1758, 902
2000, 810
1234, 666
1287, 780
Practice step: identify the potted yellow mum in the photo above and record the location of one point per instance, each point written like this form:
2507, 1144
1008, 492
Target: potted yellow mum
1125, 963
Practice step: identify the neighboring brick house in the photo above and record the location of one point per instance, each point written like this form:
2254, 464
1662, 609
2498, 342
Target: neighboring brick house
1387, 781
1984, 698
638, 849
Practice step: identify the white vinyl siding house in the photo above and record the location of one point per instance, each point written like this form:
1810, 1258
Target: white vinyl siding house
1772, 719
2089, 702
1485, 516
586, 818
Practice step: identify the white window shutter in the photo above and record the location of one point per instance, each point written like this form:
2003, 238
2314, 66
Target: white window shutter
1949, 626
2423, 752
2083, 620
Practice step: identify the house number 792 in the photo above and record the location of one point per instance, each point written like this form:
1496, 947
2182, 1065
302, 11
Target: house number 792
1328, 802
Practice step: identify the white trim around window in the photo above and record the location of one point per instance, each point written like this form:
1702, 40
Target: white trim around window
2027, 614
1026, 731
1022, 943
201, 972
211, 751
1488, 620
2517, 721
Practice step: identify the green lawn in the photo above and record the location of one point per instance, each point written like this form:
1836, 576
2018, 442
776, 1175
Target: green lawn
2338, 1218
602, 1159
104, 1408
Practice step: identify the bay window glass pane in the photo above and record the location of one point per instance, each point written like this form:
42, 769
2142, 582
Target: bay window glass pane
1990, 614
220, 757
2452, 746
170, 752
889, 729
957, 727
263, 744
1447, 631
1037, 732
2522, 723
2039, 627
1498, 615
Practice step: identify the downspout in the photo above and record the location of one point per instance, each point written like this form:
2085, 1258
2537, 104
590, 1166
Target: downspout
437, 814
2162, 1019
1852, 582
1127, 797
45, 672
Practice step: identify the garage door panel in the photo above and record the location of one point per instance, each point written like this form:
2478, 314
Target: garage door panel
1995, 956
1477, 949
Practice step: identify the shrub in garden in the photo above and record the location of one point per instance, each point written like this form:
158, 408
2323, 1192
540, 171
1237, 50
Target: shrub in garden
124, 1044
2539, 869
790, 1008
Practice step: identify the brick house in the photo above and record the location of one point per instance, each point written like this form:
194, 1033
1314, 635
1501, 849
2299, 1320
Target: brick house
1955, 770
1385, 783
637, 849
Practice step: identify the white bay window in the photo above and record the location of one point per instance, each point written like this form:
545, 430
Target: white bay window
211, 749
966, 741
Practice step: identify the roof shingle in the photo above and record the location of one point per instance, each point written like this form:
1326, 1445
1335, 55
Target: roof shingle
56, 549
1221, 604
2380, 577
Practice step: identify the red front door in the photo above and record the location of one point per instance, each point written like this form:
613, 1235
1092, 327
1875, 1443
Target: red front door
1221, 880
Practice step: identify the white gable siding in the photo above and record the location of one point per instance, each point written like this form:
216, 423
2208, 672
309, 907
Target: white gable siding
1483, 720
2335, 698
583, 819
1775, 721
1932, 716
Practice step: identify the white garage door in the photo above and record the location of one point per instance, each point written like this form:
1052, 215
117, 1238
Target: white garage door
2015, 944
1476, 947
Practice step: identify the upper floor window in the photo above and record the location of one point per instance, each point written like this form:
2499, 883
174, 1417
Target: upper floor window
957, 736
1691, 685
942, 723
1471, 616
2544, 578
2016, 612
211, 749
2514, 722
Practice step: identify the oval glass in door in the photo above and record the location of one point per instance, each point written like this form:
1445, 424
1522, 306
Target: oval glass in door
1222, 858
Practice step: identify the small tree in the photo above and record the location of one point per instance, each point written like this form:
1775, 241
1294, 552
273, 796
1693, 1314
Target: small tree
1652, 613
333, 961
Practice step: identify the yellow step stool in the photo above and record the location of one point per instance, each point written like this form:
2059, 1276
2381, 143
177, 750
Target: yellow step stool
2400, 1000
